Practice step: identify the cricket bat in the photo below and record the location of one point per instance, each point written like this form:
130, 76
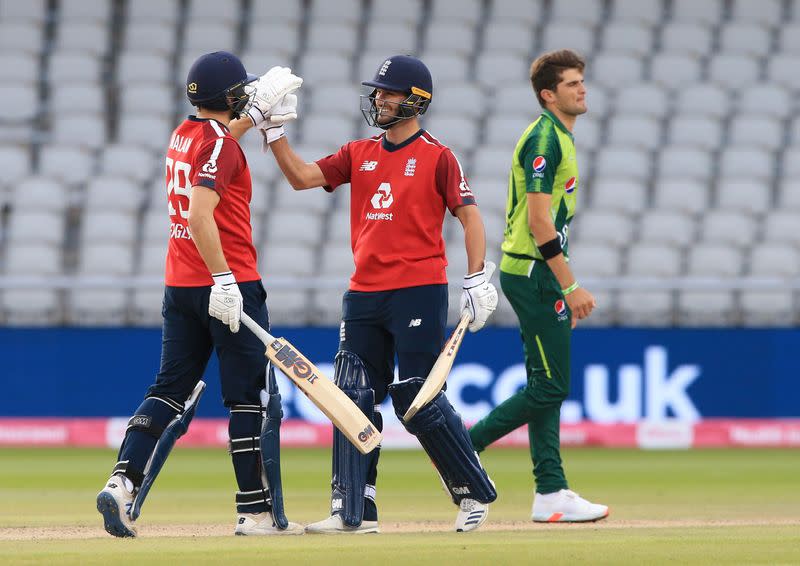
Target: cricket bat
440, 370
331, 400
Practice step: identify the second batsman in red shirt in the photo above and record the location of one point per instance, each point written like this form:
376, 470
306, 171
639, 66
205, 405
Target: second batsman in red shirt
402, 183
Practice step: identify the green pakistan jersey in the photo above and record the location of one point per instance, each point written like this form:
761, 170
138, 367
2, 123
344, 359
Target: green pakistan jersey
544, 162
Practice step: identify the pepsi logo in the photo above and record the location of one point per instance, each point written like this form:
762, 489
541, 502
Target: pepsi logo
539, 163
561, 307
569, 186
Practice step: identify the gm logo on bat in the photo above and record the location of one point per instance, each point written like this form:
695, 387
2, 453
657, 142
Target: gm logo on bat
290, 359
366, 434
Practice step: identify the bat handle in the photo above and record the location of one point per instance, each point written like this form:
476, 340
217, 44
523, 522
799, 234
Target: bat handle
254, 327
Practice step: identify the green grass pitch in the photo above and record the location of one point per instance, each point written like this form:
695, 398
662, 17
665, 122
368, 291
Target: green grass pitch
693, 507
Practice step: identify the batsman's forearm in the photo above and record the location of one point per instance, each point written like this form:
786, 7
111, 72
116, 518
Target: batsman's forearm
301, 175
205, 235
475, 244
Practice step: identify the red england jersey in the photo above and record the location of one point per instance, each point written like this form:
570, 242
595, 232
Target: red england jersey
203, 152
399, 195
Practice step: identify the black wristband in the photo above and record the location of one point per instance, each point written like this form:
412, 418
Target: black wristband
551, 249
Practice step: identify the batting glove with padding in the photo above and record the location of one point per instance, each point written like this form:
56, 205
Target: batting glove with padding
225, 302
268, 91
479, 297
283, 112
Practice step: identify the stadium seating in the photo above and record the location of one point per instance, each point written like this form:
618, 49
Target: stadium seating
689, 154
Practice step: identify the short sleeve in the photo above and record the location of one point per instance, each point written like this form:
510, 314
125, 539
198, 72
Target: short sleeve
336, 168
451, 182
540, 157
216, 163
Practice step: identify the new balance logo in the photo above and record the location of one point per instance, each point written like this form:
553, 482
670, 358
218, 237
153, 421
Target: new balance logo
368, 166
415, 322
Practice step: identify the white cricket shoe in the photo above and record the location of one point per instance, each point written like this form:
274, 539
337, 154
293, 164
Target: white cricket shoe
471, 515
114, 503
259, 524
565, 506
334, 525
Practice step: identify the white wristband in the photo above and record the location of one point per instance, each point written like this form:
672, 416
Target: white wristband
224, 278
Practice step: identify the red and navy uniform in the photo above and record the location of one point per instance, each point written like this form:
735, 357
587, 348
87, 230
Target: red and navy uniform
203, 153
399, 195
397, 301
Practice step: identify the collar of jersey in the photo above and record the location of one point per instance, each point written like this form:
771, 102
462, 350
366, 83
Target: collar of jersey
389, 146
558, 123
194, 118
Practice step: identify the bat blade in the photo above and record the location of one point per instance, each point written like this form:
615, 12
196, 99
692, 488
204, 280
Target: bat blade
440, 370
331, 400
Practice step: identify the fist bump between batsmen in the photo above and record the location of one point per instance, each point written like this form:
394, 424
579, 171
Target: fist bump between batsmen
479, 297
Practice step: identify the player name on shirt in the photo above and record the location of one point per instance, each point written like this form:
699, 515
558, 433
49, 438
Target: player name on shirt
180, 143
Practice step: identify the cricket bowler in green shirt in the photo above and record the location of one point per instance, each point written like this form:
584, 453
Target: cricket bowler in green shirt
538, 282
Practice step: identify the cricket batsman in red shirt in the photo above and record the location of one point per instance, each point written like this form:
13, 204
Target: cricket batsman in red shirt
402, 183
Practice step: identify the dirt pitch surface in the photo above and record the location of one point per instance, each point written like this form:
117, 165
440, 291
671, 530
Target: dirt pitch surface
189, 531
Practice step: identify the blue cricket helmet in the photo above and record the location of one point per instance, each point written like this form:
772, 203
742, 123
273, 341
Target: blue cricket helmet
400, 73
216, 81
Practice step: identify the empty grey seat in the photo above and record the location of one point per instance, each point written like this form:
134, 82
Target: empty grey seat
765, 100
136, 68
105, 259
727, 228
323, 67
19, 106
703, 99
71, 165
341, 39
672, 228
36, 227
667, 69
516, 99
587, 133
313, 201
789, 192
644, 98
505, 130
789, 38
19, 68
612, 70
460, 134
103, 193
88, 130
654, 260
642, 133
528, 12
447, 37
71, 98
495, 70
291, 12
782, 227
642, 12
149, 38
767, 308
733, 71
93, 307
462, 99
748, 162
148, 11
293, 227
593, 260
491, 162
774, 260
506, 36
446, 68
214, 11
33, 259
83, 37
342, 11
708, 12
745, 196
327, 130
337, 261
277, 39
20, 36
765, 13
14, 163
156, 225
631, 39
40, 193
581, 37
394, 12
145, 307
633, 164
675, 162
108, 226
589, 13
706, 308
391, 36
460, 11
30, 307
196, 36
33, 11
618, 194
645, 308
598, 99
689, 38
763, 132
145, 100
745, 39
286, 260
684, 195
71, 11
603, 226
703, 132
149, 132
154, 258
65, 68
780, 69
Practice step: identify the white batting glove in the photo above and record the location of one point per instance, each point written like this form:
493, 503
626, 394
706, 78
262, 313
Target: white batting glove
479, 298
283, 112
225, 302
268, 91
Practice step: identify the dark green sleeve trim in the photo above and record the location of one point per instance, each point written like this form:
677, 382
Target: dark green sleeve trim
540, 156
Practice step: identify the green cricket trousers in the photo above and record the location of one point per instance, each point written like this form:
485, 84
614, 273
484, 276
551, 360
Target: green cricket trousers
544, 319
